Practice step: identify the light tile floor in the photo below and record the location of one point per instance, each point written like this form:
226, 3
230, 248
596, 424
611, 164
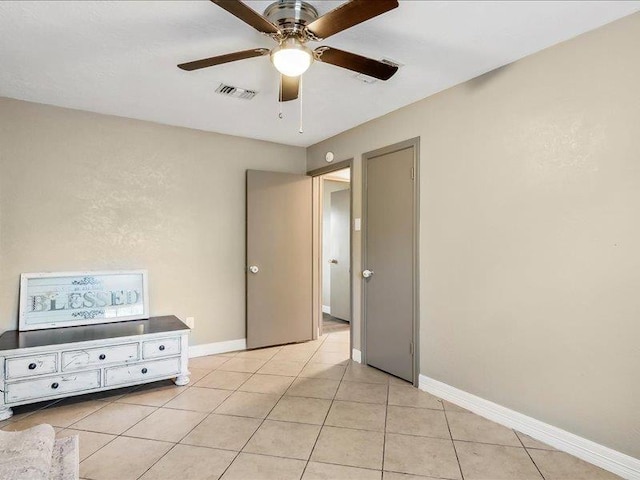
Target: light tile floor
332, 324
300, 411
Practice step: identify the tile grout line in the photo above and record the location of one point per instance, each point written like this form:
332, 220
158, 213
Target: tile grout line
302, 423
326, 415
116, 436
56, 403
154, 463
384, 432
174, 443
122, 434
237, 454
206, 416
268, 413
426, 477
12, 418
324, 462
455, 450
107, 403
527, 450
116, 398
320, 430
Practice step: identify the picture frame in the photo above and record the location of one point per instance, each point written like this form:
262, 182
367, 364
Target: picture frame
64, 299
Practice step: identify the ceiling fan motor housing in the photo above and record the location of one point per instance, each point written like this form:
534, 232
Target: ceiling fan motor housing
291, 15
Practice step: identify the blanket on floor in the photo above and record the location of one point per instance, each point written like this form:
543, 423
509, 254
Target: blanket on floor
35, 454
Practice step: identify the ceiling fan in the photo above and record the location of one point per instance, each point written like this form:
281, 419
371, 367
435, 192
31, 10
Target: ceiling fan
293, 23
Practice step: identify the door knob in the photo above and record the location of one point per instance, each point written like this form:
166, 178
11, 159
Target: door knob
254, 269
367, 273
334, 261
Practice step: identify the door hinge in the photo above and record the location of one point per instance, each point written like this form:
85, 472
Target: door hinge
413, 173
411, 348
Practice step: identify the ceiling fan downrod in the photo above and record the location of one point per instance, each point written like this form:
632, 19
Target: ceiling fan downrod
291, 16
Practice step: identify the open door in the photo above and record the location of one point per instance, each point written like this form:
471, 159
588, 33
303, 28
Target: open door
279, 258
340, 293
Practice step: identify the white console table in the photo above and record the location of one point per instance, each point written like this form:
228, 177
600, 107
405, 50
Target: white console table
60, 362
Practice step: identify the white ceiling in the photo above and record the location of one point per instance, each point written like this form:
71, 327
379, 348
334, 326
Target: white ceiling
343, 175
120, 58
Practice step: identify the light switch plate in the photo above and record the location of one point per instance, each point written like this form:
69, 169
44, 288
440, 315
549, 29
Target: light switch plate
356, 225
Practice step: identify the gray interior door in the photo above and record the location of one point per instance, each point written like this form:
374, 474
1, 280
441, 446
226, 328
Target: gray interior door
278, 258
339, 254
389, 255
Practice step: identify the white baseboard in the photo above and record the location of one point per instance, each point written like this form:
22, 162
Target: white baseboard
589, 451
218, 347
326, 309
356, 355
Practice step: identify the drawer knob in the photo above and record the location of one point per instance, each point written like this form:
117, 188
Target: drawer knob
144, 370
54, 385
161, 347
102, 356
32, 366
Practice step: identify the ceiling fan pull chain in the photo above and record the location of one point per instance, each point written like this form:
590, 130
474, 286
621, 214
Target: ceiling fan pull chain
280, 116
301, 130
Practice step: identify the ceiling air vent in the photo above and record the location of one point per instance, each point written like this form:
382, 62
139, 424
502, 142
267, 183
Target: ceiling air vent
235, 92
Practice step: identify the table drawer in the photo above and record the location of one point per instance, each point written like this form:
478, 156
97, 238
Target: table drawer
163, 347
96, 357
20, 367
141, 371
51, 386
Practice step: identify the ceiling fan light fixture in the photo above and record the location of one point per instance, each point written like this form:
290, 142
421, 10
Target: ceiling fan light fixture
291, 58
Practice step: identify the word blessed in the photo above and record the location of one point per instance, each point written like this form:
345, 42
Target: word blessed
76, 300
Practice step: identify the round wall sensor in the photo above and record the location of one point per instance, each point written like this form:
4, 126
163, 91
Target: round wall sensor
329, 157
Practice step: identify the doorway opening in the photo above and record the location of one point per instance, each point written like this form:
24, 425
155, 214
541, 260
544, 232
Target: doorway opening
336, 254
332, 253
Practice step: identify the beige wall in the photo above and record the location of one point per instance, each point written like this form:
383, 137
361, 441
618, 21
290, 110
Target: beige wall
81, 191
530, 232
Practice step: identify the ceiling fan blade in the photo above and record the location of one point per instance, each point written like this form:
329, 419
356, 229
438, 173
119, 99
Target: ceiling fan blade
248, 15
347, 15
357, 63
229, 57
289, 87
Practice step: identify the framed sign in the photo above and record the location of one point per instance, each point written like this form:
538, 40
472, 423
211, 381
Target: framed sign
64, 299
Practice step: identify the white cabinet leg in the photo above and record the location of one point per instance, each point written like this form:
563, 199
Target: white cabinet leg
183, 379
6, 412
